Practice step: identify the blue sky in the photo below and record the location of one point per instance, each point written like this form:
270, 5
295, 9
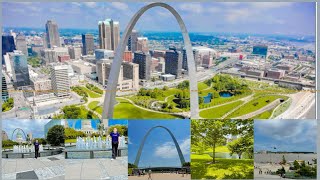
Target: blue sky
285, 135
159, 149
289, 18
35, 126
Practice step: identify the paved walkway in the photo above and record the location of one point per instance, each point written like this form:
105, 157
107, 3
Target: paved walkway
160, 176
97, 168
51, 167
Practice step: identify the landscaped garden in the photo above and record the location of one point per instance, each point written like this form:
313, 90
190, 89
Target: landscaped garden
215, 156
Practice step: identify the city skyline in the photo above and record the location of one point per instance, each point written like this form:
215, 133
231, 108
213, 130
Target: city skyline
285, 135
35, 126
287, 18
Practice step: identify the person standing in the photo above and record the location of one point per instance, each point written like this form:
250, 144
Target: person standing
36, 149
115, 142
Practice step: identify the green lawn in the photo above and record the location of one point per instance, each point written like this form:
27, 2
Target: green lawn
281, 108
34, 61
70, 140
218, 149
91, 93
202, 86
201, 168
126, 110
264, 115
218, 112
94, 106
255, 104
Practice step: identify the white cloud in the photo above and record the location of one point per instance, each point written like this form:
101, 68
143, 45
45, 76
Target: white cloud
270, 5
90, 4
168, 149
76, 3
192, 7
120, 5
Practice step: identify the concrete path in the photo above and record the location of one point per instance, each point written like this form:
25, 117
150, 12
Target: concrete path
97, 168
51, 167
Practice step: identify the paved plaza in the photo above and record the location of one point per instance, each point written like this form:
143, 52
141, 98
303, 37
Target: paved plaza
51, 167
160, 176
97, 168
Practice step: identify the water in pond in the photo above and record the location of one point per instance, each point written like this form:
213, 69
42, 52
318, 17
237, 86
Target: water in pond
207, 99
225, 94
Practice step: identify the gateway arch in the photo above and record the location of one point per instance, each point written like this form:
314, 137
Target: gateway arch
136, 162
109, 100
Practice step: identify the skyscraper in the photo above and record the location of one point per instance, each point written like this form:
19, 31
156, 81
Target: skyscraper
88, 44
21, 44
144, 61
52, 32
20, 71
59, 80
7, 44
4, 88
142, 44
74, 52
109, 34
132, 41
173, 62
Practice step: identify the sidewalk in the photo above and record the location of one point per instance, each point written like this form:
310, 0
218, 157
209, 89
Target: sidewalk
51, 167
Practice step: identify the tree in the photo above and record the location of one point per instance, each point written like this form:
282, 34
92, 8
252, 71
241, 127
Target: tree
165, 88
296, 165
201, 100
122, 129
284, 161
212, 133
55, 135
240, 145
100, 128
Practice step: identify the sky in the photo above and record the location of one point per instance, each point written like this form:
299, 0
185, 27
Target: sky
285, 135
35, 126
289, 18
159, 149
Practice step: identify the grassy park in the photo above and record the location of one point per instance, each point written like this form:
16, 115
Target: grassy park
244, 97
214, 156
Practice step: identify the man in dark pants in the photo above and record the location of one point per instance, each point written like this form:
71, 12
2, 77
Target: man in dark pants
115, 142
36, 149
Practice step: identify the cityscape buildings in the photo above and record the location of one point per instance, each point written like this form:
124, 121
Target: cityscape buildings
144, 61
109, 34
60, 80
88, 44
52, 33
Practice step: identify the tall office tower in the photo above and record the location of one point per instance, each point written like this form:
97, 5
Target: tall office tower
7, 44
4, 88
142, 44
74, 52
20, 71
103, 70
60, 81
88, 44
144, 61
173, 62
44, 40
21, 44
109, 34
185, 62
52, 31
132, 41
131, 71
